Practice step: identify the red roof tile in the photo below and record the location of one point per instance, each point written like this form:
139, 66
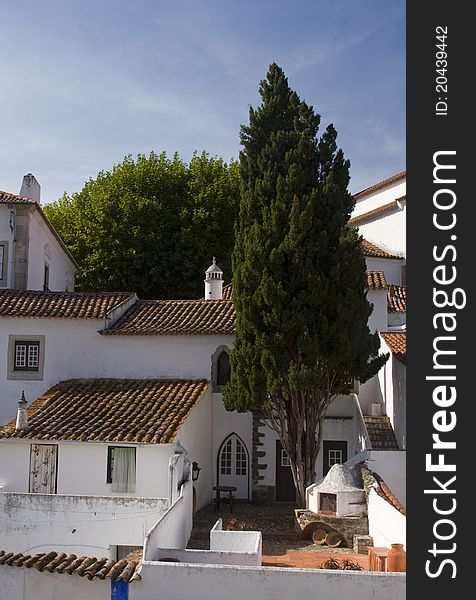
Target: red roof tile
64, 305
376, 280
385, 492
126, 569
376, 212
380, 185
397, 298
110, 410
397, 342
372, 250
176, 317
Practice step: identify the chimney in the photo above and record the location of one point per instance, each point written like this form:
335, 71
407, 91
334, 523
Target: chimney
22, 416
213, 282
30, 188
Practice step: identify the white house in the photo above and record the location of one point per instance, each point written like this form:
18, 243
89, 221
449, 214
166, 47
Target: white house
32, 254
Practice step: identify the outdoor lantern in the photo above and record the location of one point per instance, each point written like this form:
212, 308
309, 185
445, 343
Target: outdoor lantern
195, 470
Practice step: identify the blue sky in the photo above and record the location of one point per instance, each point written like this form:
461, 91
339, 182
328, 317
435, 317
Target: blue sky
86, 82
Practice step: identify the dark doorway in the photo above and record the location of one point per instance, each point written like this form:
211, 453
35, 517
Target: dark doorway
335, 453
285, 490
328, 503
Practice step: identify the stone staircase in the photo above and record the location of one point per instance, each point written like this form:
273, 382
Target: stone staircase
381, 434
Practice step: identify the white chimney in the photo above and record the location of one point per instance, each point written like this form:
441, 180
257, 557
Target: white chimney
22, 416
30, 188
213, 282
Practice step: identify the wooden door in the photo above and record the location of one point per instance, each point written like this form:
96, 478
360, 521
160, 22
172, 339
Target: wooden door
43, 468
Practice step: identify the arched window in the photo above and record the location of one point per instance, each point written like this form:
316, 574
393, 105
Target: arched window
223, 368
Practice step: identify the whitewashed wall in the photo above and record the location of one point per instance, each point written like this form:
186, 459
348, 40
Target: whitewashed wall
84, 525
173, 528
388, 231
392, 391
6, 235
214, 582
82, 468
387, 525
391, 465
195, 436
378, 318
74, 349
29, 584
60, 264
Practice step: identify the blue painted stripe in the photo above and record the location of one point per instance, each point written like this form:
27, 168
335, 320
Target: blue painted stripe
119, 590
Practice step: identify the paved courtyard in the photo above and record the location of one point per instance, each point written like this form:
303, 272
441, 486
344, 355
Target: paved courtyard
282, 545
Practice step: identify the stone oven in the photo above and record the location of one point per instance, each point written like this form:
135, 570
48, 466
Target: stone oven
337, 494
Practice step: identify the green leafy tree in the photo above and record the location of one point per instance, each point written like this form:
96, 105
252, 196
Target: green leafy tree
298, 277
151, 225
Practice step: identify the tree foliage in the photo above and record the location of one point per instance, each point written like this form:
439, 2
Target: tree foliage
151, 225
298, 277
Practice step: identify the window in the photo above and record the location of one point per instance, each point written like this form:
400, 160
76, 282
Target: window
240, 459
121, 469
3, 263
285, 462
26, 357
46, 278
335, 457
404, 275
223, 368
225, 460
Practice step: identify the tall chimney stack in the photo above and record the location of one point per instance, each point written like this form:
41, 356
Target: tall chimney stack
213, 282
30, 188
22, 416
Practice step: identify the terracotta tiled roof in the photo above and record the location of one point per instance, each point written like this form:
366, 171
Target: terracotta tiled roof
227, 292
176, 317
376, 280
7, 198
59, 562
397, 342
377, 212
66, 305
379, 186
385, 492
397, 298
374, 251
381, 434
110, 410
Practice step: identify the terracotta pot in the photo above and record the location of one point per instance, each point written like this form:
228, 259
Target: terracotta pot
397, 559
319, 536
333, 539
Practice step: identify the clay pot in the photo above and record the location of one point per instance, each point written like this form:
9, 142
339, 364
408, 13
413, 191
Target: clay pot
319, 536
333, 539
397, 559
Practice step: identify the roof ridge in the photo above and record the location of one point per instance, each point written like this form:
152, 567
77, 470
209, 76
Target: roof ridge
379, 185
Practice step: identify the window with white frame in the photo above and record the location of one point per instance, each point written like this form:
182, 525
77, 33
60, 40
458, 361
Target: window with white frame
225, 459
26, 357
335, 457
121, 469
285, 462
240, 459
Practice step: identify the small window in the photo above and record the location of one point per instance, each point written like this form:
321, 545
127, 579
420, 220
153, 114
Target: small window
404, 275
335, 457
121, 469
223, 368
27, 356
285, 462
3, 263
46, 278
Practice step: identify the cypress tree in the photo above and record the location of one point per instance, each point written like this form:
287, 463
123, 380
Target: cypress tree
302, 331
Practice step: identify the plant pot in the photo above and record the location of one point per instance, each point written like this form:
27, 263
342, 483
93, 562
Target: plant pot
397, 559
333, 539
319, 536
